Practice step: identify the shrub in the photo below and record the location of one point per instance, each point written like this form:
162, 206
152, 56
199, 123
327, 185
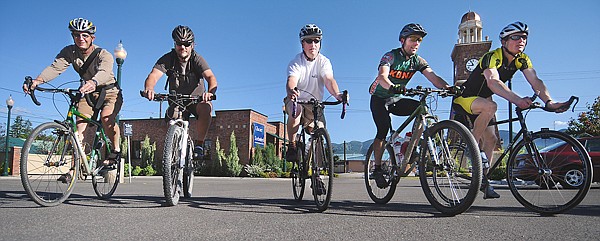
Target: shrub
149, 171
254, 170
136, 171
126, 169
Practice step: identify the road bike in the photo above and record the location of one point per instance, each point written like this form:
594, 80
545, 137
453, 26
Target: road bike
54, 149
447, 156
547, 171
315, 155
179, 154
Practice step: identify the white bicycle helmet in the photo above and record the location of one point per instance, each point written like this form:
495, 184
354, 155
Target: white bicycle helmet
516, 27
82, 25
310, 30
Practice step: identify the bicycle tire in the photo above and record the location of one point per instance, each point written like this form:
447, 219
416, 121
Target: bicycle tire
322, 168
550, 189
451, 186
188, 173
381, 195
172, 173
299, 173
47, 154
106, 180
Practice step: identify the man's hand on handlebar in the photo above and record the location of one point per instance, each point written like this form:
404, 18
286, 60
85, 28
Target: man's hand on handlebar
524, 102
149, 94
30, 84
206, 97
397, 89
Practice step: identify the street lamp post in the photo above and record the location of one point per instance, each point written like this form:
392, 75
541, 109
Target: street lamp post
9, 103
120, 54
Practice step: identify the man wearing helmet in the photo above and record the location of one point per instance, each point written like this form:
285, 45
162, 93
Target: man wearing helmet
488, 78
97, 78
396, 68
308, 74
186, 71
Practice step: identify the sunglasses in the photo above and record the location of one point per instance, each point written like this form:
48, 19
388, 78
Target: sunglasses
81, 35
517, 37
310, 41
415, 38
186, 44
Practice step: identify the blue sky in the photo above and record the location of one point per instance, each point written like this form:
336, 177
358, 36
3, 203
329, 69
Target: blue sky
248, 45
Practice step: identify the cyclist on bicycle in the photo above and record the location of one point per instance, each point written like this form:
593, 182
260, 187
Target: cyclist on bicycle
186, 71
396, 68
98, 80
308, 73
488, 78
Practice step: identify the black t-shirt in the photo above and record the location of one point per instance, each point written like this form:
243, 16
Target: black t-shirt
186, 79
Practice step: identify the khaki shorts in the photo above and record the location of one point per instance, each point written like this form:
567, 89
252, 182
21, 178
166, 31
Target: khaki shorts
307, 116
113, 100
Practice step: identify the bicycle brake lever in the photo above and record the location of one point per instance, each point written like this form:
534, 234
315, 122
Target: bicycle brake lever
573, 98
29, 82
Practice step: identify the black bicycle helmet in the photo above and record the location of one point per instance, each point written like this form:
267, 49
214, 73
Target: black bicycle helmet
516, 27
412, 28
183, 34
82, 25
310, 30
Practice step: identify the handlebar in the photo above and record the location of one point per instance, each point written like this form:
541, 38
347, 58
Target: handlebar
173, 95
538, 105
313, 101
72, 93
419, 90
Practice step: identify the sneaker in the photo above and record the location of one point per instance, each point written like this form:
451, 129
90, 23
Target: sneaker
291, 154
488, 191
379, 178
320, 190
65, 178
484, 161
112, 160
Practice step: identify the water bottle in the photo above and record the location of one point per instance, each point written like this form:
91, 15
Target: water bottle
398, 150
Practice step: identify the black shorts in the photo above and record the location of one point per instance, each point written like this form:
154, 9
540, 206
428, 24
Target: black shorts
381, 113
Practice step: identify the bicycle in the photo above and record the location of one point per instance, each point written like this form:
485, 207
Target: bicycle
447, 155
542, 177
315, 162
179, 155
54, 149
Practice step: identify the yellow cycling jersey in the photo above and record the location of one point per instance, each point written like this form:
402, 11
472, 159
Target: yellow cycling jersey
476, 85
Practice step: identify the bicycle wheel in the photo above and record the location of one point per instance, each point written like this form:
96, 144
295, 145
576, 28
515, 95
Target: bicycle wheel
450, 167
172, 173
556, 181
188, 173
322, 168
381, 195
47, 154
299, 173
106, 179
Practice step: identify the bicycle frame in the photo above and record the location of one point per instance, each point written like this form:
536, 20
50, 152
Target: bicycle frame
184, 140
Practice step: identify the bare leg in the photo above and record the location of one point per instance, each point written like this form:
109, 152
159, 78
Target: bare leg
204, 119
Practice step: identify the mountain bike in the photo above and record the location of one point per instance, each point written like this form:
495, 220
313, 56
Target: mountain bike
179, 156
449, 164
54, 149
315, 155
547, 171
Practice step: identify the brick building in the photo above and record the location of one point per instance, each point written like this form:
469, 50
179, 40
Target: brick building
243, 122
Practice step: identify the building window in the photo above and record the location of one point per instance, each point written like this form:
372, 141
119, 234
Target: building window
136, 149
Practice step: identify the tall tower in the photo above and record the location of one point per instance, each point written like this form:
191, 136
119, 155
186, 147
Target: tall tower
468, 50
469, 47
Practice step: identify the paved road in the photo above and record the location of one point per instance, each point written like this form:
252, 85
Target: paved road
253, 209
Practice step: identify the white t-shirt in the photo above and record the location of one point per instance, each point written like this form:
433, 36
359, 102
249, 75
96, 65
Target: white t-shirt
311, 75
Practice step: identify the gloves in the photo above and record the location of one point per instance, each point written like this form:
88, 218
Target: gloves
397, 89
456, 90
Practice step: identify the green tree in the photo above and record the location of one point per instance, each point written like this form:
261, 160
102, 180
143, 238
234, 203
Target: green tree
21, 128
234, 168
217, 165
124, 147
148, 151
587, 123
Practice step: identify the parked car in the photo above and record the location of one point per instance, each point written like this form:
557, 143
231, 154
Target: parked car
563, 164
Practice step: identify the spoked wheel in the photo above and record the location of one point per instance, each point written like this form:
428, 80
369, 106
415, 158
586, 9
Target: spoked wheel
49, 153
106, 179
554, 182
188, 172
299, 173
451, 184
172, 173
385, 193
322, 169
